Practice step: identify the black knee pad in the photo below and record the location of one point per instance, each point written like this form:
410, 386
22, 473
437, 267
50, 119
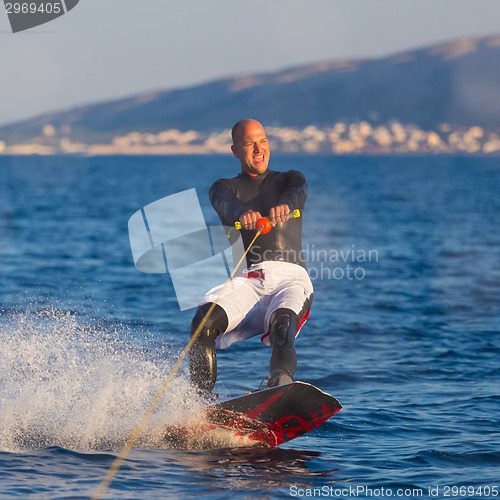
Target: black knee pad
283, 326
216, 323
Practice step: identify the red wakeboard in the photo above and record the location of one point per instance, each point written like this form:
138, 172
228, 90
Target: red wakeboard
269, 417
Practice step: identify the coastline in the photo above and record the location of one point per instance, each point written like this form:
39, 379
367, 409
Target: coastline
338, 140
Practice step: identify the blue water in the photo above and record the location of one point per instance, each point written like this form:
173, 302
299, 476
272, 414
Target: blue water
404, 331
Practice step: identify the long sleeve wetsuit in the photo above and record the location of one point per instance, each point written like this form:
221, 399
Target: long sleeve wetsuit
233, 197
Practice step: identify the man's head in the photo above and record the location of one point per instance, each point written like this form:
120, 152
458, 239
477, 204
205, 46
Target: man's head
250, 146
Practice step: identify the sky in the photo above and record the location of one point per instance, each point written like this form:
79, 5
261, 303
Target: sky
108, 49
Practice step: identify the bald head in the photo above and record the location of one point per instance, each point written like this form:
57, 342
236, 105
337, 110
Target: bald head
241, 126
250, 146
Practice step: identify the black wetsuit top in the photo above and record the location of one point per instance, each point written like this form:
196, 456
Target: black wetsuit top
233, 197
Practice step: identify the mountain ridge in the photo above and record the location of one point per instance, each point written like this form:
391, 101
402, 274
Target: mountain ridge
456, 82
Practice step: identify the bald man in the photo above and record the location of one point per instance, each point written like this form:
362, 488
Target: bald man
273, 295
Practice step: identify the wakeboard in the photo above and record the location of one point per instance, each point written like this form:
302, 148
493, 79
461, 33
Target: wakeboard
269, 417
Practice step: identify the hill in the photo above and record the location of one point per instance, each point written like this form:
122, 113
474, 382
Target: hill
456, 83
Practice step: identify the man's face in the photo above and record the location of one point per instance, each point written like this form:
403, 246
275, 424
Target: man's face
251, 148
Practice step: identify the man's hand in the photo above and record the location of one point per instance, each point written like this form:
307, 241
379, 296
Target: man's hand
249, 219
278, 214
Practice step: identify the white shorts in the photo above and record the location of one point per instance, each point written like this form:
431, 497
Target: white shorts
251, 298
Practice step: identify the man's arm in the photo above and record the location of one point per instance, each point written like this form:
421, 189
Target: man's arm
228, 207
295, 192
293, 197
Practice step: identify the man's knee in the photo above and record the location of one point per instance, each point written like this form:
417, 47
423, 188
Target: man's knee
283, 326
215, 323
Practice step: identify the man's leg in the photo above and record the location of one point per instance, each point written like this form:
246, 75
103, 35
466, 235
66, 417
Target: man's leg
202, 359
283, 327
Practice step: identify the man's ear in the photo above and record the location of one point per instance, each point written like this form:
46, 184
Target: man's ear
235, 151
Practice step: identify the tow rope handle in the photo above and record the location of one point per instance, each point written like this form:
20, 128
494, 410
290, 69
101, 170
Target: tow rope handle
295, 215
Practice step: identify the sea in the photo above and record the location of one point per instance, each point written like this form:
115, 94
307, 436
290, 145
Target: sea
404, 256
